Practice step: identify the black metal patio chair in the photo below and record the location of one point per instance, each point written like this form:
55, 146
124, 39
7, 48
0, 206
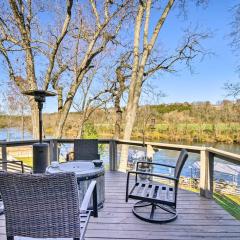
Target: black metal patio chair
86, 149
45, 205
12, 166
157, 200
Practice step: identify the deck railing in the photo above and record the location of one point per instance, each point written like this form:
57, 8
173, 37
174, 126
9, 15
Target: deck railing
207, 155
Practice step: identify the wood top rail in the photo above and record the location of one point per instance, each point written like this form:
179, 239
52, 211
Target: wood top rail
228, 156
30, 142
170, 146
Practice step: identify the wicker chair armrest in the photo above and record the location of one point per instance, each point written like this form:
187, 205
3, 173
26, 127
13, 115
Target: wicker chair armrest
153, 175
91, 192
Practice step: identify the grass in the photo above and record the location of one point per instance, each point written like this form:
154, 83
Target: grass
230, 203
26, 160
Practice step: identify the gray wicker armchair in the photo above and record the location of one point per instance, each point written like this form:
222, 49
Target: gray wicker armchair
45, 206
15, 166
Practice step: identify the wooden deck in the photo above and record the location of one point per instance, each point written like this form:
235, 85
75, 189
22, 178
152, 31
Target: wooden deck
199, 218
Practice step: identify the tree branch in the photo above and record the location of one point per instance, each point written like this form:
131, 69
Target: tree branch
146, 24
160, 24
95, 12
10, 67
190, 49
57, 43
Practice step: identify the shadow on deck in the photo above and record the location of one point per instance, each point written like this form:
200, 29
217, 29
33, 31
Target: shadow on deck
199, 218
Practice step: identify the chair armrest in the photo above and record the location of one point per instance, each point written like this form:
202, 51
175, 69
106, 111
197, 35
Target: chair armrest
154, 163
153, 174
91, 191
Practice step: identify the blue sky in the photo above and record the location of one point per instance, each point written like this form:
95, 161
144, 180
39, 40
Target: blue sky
206, 84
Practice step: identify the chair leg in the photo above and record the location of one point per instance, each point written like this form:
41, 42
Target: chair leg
10, 237
95, 202
152, 219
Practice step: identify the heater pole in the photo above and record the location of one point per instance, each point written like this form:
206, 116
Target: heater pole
40, 106
40, 149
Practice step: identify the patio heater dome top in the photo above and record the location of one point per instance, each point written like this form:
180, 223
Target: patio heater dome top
39, 92
39, 95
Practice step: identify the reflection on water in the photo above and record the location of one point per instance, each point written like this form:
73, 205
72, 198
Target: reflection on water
14, 134
170, 157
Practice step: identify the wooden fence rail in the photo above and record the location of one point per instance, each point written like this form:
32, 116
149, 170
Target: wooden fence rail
207, 155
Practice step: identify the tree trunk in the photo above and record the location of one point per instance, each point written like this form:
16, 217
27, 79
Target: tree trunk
81, 124
138, 68
118, 120
131, 111
118, 123
62, 118
22, 121
132, 97
35, 120
80, 131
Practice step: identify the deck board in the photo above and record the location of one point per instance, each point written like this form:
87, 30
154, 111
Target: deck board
199, 218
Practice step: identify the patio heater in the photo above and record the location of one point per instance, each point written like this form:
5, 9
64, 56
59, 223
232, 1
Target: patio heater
40, 149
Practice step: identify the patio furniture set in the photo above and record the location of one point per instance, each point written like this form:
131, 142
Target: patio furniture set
59, 203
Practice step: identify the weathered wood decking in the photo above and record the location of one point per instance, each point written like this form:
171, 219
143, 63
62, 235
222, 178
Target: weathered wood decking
199, 218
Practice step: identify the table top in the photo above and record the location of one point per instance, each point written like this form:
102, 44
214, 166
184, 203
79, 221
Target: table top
80, 168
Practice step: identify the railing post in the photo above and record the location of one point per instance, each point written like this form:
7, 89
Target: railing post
150, 152
206, 173
4, 156
53, 150
113, 155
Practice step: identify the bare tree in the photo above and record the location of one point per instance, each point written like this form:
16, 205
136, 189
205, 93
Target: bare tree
233, 89
91, 39
15, 105
118, 85
19, 26
89, 100
145, 119
60, 53
143, 49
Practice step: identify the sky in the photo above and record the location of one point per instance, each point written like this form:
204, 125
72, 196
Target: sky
210, 74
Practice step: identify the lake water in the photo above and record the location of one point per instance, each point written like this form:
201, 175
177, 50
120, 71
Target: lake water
223, 170
230, 173
14, 134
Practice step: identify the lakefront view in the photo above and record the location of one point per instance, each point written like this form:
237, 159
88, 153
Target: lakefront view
119, 119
